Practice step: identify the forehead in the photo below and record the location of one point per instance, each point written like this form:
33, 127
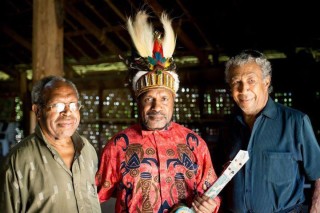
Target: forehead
247, 69
59, 89
157, 91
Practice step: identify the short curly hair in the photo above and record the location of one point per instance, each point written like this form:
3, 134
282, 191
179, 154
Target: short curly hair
37, 90
247, 56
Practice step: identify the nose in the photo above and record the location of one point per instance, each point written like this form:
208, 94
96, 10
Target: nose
66, 111
243, 87
156, 105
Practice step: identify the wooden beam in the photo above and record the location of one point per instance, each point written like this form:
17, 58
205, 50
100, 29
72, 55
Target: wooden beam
16, 37
70, 72
193, 21
116, 10
92, 28
78, 48
108, 25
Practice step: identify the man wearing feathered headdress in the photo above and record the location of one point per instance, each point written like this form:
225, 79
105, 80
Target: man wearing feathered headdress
157, 164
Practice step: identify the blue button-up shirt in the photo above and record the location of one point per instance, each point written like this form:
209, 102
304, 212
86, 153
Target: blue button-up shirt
283, 152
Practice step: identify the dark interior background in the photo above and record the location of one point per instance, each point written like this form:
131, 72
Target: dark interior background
208, 32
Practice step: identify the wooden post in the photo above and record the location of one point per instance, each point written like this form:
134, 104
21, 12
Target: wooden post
47, 42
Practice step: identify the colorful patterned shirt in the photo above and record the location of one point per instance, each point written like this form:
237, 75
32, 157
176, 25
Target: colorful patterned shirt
35, 178
151, 171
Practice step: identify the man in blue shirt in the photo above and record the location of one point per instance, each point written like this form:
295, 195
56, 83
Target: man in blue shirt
280, 140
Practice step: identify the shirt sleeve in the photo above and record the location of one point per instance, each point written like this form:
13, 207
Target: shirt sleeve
107, 175
206, 174
10, 200
311, 149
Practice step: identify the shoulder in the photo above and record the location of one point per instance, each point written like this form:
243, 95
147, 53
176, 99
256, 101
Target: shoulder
132, 130
294, 118
187, 133
28, 144
87, 145
22, 151
181, 128
290, 112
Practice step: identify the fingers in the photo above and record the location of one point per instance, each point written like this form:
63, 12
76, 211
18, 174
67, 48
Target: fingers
204, 204
204, 187
198, 207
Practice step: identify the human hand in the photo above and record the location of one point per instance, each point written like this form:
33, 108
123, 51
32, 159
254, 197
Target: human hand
206, 204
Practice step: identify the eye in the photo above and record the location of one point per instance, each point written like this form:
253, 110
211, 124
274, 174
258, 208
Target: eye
59, 107
148, 99
251, 81
165, 99
74, 106
235, 82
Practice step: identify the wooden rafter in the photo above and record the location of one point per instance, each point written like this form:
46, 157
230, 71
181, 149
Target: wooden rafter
93, 29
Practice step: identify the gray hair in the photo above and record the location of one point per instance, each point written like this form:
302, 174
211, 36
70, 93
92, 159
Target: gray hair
38, 88
247, 56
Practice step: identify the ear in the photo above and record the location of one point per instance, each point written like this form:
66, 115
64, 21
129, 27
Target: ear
267, 81
36, 110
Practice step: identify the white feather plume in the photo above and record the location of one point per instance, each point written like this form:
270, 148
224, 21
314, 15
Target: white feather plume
142, 35
169, 39
176, 80
141, 32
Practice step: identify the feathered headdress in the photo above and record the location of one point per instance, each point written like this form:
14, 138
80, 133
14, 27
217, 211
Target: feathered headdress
155, 67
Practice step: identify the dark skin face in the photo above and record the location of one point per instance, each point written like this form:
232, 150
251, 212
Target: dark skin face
156, 108
249, 88
58, 126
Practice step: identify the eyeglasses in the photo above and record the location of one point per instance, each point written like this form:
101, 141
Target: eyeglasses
60, 107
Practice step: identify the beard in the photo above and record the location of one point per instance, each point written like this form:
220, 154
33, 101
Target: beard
151, 121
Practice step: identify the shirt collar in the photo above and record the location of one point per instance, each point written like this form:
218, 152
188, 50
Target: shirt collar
164, 132
270, 110
76, 139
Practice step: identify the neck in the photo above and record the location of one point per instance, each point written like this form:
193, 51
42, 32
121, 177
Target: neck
249, 120
145, 127
65, 148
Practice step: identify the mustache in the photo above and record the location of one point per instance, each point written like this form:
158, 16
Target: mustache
68, 118
153, 113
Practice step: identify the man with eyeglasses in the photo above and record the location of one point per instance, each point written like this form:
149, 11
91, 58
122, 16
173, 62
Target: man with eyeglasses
53, 169
282, 146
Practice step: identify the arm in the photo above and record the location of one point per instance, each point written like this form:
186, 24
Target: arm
315, 205
108, 173
203, 202
9, 196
